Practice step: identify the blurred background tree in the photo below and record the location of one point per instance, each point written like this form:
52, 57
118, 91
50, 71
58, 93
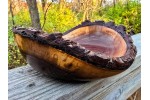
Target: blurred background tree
61, 15
34, 14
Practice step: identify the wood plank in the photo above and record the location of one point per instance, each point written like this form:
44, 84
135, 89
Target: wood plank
136, 95
122, 86
25, 83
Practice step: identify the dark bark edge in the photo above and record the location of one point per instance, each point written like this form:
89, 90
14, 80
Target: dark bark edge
55, 40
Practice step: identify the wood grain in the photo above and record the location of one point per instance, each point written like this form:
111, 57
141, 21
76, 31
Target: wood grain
27, 84
79, 69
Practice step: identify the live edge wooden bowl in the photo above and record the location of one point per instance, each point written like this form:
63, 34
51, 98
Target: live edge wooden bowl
88, 51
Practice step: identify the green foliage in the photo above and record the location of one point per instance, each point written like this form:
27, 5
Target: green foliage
128, 14
59, 20
22, 18
14, 56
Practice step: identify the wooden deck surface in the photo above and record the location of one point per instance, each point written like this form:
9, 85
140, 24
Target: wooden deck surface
27, 84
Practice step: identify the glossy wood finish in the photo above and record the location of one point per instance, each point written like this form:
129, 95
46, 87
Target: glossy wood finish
50, 60
99, 39
88, 51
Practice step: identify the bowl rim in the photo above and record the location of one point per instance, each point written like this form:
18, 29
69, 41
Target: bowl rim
56, 41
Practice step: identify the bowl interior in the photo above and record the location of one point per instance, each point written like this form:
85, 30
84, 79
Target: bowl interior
99, 39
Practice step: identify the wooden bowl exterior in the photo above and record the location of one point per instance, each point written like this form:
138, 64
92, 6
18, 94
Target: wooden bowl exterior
56, 63
64, 56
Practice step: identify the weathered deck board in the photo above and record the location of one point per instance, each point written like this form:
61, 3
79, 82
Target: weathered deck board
27, 84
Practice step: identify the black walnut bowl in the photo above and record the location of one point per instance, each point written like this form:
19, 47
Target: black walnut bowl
88, 51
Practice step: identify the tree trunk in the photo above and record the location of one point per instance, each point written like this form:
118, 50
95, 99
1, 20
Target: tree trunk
61, 4
11, 12
34, 14
43, 4
114, 3
101, 2
87, 8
